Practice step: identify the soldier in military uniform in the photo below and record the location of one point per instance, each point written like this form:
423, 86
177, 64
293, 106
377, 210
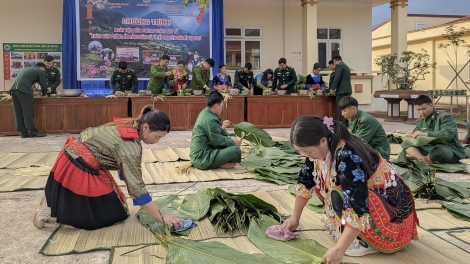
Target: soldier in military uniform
160, 75
341, 84
244, 79
52, 75
284, 77
365, 126
437, 124
201, 76
124, 79
23, 99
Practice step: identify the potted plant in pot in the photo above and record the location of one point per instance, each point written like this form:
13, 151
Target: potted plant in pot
301, 85
403, 72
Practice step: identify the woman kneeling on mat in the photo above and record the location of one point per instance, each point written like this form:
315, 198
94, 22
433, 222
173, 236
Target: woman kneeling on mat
368, 207
80, 190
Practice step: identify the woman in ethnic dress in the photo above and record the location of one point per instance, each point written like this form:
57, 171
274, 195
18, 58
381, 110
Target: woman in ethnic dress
314, 79
222, 80
80, 190
368, 207
181, 77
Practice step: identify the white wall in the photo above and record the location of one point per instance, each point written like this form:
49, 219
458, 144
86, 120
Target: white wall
29, 21
281, 23
355, 20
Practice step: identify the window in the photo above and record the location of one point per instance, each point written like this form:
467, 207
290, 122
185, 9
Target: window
329, 44
420, 26
242, 45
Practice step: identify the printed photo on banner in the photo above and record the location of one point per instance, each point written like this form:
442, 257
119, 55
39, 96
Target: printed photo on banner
16, 56
151, 56
140, 32
30, 56
14, 74
174, 60
42, 55
28, 64
17, 65
129, 54
54, 55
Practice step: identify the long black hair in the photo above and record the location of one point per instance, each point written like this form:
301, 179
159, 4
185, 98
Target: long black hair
307, 131
265, 74
156, 120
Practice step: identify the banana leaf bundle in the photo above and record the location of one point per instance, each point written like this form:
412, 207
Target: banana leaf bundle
230, 212
254, 134
273, 165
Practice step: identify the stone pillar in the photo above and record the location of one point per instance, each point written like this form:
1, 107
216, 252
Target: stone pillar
399, 12
309, 35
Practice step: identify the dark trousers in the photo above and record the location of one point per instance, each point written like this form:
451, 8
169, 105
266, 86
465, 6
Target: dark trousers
340, 117
23, 107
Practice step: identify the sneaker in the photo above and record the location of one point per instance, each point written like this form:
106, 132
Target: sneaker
358, 249
42, 215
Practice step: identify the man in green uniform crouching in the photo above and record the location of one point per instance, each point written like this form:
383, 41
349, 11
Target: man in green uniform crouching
437, 124
211, 146
23, 98
365, 126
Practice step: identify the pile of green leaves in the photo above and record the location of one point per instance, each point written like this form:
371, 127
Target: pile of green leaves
273, 165
271, 161
253, 134
434, 188
235, 211
226, 211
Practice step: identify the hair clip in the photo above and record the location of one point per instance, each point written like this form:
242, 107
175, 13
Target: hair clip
328, 122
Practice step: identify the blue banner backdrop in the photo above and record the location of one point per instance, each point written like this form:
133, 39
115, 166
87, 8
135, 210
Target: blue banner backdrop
140, 32
70, 54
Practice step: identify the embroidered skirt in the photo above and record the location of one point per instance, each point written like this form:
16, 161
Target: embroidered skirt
80, 193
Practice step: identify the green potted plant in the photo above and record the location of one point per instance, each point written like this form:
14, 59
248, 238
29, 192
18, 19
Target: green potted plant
300, 85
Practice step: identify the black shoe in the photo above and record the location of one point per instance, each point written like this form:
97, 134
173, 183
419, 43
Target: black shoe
24, 135
37, 135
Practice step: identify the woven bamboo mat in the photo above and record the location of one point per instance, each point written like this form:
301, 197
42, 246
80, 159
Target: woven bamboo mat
421, 204
440, 219
127, 236
66, 239
159, 155
159, 166
22, 160
10, 182
462, 235
167, 172
428, 249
